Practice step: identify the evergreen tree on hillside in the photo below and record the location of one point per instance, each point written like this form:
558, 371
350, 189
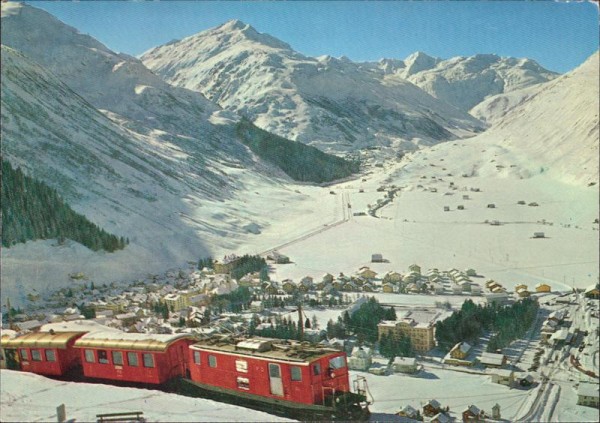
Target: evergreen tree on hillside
32, 210
299, 161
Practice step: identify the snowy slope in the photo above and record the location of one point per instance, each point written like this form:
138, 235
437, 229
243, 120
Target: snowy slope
497, 106
327, 102
27, 397
557, 127
466, 81
144, 160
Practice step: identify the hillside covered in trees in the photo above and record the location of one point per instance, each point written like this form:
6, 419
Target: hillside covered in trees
32, 210
299, 161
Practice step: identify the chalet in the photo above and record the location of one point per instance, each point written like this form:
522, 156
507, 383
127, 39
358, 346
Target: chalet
519, 286
460, 350
389, 288
588, 395
503, 377
460, 207
473, 414
470, 272
392, 276
539, 235
523, 293
409, 412
437, 288
431, 408
415, 268
475, 289
272, 288
350, 287
378, 369
456, 289
367, 287
226, 265
557, 316
327, 278
360, 359
278, 258
288, 286
465, 197
491, 206
440, 418
366, 273
377, 258
492, 359
542, 287
446, 208
337, 284
404, 365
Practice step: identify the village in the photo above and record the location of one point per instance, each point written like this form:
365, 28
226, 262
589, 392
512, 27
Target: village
205, 299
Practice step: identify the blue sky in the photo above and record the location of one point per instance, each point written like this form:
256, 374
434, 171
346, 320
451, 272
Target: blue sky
558, 35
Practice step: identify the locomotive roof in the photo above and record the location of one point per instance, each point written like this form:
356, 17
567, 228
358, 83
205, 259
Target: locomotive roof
128, 341
40, 340
266, 348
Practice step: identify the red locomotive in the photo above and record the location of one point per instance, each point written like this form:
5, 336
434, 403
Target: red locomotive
288, 378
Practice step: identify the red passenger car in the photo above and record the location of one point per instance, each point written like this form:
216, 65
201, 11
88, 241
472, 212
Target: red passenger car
262, 367
45, 353
133, 357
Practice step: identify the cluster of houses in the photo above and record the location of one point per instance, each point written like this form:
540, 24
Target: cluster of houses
132, 308
433, 412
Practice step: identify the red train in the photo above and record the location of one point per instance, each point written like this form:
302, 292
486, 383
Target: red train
287, 378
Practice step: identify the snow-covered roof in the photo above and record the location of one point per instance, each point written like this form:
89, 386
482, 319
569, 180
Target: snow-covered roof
127, 341
588, 390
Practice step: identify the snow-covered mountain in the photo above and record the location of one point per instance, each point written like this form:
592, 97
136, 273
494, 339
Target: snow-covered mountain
466, 81
158, 164
327, 102
553, 126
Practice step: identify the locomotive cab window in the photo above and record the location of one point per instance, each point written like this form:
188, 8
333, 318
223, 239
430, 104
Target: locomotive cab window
317, 369
197, 357
337, 362
117, 358
89, 356
132, 359
102, 357
148, 360
212, 361
50, 355
35, 355
296, 373
24, 355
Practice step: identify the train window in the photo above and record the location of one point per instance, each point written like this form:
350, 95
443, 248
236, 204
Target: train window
296, 373
89, 356
148, 360
243, 383
102, 357
132, 359
35, 355
317, 369
50, 355
241, 366
212, 361
337, 362
24, 355
197, 357
117, 357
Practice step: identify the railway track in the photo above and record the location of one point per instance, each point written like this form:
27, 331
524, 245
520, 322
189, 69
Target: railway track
346, 216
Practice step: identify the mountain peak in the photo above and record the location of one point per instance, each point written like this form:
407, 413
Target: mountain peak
248, 32
233, 24
419, 61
